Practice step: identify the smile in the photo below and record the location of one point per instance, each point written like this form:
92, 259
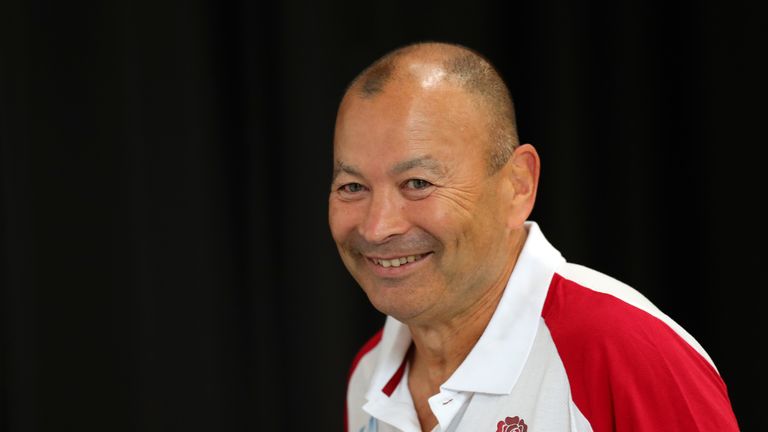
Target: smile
397, 262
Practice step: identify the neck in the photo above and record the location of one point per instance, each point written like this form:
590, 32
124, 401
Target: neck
439, 348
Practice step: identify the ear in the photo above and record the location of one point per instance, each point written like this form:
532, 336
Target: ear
522, 172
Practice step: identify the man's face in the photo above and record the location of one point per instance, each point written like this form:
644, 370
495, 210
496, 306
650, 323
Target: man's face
413, 209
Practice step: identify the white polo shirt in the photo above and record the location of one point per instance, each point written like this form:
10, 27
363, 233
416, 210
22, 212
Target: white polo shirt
567, 349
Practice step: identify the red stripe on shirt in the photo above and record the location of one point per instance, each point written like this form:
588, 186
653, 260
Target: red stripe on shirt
396, 378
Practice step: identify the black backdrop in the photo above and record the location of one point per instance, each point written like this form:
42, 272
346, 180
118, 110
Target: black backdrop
166, 262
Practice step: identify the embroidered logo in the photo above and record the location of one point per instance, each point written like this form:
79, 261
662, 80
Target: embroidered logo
512, 424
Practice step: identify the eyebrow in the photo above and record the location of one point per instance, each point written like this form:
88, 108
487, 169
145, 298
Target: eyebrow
340, 167
426, 162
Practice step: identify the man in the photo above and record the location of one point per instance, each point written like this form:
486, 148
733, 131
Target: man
488, 328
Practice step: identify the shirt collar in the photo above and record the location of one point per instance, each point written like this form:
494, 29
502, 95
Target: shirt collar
495, 362
395, 341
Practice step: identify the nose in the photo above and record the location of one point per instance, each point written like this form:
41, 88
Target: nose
384, 219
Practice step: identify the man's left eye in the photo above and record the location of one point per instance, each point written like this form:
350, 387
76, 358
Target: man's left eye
417, 184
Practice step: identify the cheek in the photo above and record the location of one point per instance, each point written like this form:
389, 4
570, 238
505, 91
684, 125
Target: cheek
344, 218
339, 220
434, 217
458, 225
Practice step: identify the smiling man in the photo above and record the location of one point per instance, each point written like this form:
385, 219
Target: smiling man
488, 328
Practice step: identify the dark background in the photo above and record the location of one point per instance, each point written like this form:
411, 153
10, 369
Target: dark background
166, 263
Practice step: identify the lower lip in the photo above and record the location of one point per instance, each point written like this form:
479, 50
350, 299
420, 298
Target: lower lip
402, 270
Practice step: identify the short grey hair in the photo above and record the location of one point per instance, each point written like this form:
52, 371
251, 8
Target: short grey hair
473, 73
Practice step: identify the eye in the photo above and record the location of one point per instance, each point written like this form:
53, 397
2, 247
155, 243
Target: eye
351, 191
417, 189
417, 184
352, 188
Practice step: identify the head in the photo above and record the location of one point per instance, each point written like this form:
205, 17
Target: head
431, 187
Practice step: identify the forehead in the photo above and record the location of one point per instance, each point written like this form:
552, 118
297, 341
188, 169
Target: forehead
404, 122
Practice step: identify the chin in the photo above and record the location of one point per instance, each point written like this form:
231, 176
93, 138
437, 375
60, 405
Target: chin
398, 305
402, 314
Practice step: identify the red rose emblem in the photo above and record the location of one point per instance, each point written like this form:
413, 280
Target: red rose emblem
512, 424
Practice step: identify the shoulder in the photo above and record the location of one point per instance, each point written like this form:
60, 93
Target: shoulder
626, 360
596, 309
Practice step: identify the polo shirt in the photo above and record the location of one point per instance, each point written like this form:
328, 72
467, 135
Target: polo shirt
567, 349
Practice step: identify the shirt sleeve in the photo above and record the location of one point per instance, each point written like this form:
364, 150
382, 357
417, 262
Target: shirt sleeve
628, 370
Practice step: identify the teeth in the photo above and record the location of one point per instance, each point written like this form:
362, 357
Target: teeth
397, 262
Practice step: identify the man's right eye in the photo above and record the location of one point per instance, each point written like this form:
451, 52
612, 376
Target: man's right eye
352, 188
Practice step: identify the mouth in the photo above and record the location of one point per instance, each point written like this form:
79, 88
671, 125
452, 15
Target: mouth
397, 261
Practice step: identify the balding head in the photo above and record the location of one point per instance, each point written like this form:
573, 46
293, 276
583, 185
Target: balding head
425, 65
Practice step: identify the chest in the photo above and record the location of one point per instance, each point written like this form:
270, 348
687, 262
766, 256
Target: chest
539, 401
